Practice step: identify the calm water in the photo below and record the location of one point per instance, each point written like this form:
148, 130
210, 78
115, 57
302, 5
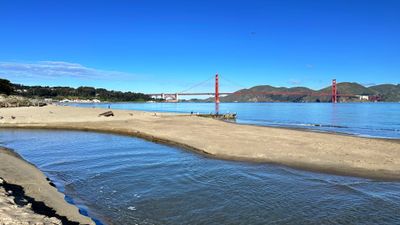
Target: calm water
125, 180
363, 119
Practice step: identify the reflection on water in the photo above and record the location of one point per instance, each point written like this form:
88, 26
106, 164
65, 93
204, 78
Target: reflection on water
125, 180
364, 119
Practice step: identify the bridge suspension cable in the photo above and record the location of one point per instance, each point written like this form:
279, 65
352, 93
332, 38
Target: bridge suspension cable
233, 83
196, 85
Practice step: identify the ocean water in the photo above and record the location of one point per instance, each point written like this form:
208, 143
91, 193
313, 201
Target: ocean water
124, 180
380, 120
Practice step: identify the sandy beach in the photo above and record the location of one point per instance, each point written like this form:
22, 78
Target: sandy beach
26, 196
324, 152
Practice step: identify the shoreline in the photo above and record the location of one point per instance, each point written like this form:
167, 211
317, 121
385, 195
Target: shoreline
303, 129
334, 153
29, 196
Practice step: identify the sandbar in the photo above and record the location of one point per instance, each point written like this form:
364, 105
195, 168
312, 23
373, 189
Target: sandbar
317, 151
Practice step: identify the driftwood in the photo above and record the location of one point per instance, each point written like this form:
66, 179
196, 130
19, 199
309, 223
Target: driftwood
107, 114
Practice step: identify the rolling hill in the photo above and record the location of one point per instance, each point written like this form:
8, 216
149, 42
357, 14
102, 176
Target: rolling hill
389, 92
386, 92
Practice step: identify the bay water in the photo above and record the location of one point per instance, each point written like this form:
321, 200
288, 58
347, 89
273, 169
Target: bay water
380, 120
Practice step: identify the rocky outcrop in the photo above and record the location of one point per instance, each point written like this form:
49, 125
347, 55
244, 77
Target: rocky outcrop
18, 101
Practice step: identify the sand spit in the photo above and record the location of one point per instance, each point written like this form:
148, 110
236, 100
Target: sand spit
332, 153
26, 196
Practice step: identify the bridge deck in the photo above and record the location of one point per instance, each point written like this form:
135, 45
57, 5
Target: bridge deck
255, 93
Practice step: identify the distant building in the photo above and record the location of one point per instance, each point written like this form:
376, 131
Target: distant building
363, 97
65, 100
21, 90
80, 100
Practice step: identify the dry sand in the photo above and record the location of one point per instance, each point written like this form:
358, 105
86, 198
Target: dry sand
14, 170
333, 153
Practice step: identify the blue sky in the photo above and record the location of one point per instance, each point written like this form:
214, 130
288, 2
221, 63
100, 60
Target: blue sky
167, 46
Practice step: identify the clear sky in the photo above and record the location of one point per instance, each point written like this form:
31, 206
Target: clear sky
167, 46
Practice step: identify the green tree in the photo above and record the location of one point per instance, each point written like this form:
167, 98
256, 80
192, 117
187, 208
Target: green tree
5, 87
86, 91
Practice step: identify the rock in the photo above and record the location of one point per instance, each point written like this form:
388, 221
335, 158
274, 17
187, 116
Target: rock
19, 101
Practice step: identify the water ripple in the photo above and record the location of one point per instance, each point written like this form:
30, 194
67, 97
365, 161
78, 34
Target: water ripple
126, 180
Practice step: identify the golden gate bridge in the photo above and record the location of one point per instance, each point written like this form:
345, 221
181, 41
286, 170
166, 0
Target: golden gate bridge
174, 97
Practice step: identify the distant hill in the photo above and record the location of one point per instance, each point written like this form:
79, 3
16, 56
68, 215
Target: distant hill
386, 92
251, 97
389, 92
351, 88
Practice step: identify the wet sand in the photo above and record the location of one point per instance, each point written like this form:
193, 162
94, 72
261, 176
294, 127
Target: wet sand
27, 197
325, 152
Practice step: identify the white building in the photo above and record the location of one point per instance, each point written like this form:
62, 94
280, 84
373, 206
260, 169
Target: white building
364, 97
65, 100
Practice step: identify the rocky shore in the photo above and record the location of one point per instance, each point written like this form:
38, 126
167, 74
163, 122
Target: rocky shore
28, 197
17, 209
18, 101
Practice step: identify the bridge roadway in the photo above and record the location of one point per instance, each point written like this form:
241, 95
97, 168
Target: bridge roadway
254, 93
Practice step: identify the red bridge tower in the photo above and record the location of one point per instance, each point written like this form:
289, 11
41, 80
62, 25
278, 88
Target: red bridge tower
216, 89
334, 91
